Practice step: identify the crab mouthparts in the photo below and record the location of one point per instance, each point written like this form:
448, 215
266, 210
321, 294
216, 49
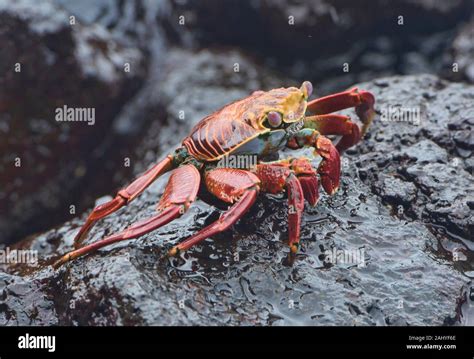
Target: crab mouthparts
295, 127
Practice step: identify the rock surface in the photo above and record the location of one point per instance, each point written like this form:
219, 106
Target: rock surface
46, 64
410, 274
425, 140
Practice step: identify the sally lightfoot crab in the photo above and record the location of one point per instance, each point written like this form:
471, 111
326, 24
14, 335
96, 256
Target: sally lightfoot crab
259, 125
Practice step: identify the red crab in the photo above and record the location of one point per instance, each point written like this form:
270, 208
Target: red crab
259, 125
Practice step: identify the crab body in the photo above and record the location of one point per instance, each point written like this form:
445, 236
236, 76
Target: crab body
236, 124
259, 125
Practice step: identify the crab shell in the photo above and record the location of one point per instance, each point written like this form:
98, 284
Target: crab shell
242, 121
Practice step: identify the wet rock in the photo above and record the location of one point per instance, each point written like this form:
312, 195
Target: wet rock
395, 190
449, 191
46, 64
421, 118
425, 151
23, 301
242, 277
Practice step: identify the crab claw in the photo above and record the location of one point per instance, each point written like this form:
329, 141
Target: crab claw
363, 101
330, 167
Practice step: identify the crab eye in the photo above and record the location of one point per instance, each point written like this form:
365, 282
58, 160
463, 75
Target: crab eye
274, 118
307, 89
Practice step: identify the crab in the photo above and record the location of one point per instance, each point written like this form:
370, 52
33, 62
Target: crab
260, 125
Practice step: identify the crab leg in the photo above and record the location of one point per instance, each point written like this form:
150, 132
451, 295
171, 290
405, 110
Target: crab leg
332, 124
180, 192
230, 185
278, 177
308, 179
123, 197
295, 211
363, 101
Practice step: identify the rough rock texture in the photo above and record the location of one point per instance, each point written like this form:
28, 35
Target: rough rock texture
47, 63
242, 276
430, 148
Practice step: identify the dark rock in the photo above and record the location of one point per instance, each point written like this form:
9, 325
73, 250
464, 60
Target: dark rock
61, 64
23, 301
241, 277
307, 28
395, 190
326, 36
463, 52
424, 149
449, 190
132, 22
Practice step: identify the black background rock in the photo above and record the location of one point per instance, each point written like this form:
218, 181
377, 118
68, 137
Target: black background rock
463, 52
76, 66
326, 35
